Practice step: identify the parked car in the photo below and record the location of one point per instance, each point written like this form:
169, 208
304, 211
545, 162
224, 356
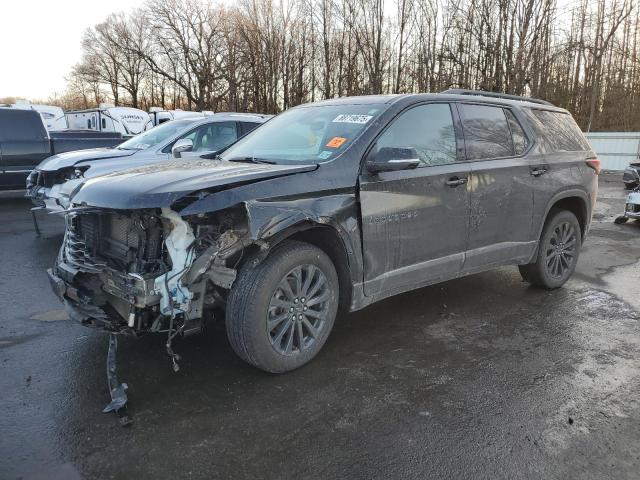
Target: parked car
631, 207
25, 142
51, 182
107, 118
337, 203
631, 175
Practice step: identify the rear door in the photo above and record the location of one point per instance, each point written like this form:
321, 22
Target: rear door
561, 165
501, 186
25, 143
414, 222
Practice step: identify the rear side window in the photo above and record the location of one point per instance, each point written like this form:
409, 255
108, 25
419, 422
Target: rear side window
520, 140
486, 132
428, 129
21, 125
557, 131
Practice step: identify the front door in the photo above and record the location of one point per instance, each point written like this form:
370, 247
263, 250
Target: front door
414, 222
501, 187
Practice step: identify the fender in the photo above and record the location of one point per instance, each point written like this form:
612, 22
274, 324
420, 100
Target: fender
275, 221
569, 192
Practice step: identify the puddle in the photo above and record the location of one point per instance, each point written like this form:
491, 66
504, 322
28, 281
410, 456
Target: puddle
51, 316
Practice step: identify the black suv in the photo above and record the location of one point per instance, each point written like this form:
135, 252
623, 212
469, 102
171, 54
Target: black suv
339, 203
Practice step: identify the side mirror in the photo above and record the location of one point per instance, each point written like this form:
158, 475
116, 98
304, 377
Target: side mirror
182, 145
389, 159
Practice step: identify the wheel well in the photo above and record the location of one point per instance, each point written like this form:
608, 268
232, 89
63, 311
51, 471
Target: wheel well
575, 205
327, 240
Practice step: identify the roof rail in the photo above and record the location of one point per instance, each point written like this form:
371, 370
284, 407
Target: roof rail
506, 96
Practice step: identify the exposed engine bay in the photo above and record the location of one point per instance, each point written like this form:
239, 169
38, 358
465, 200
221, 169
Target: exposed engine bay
133, 272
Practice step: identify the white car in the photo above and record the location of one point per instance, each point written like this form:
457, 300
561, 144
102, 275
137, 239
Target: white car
51, 183
631, 207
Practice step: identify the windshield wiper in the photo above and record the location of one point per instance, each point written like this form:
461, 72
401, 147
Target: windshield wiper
251, 160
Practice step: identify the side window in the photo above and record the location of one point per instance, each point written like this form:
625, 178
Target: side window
104, 123
520, 140
217, 136
428, 129
88, 124
211, 136
486, 132
23, 125
246, 127
558, 131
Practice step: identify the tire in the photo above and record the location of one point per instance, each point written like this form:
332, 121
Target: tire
628, 186
260, 307
558, 251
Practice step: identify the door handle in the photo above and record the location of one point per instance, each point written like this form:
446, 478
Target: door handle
537, 171
456, 181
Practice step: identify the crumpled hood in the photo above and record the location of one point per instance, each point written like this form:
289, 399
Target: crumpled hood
159, 185
71, 159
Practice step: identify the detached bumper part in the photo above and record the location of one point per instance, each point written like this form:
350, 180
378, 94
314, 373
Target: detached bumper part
117, 390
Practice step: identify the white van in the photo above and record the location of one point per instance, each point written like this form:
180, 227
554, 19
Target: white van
158, 115
107, 118
52, 116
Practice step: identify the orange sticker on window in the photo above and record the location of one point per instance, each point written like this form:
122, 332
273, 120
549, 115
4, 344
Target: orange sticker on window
336, 142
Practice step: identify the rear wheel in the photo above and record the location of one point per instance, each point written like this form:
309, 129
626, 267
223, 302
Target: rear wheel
281, 311
558, 251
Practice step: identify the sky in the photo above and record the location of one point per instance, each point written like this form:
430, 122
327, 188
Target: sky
40, 42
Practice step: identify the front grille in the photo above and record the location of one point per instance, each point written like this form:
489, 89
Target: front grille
95, 241
633, 208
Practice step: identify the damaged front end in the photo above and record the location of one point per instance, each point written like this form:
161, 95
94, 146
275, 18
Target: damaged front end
139, 271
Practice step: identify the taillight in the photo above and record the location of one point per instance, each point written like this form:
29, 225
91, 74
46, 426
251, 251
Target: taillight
595, 164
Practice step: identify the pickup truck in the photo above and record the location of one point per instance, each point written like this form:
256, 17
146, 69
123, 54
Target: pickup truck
25, 142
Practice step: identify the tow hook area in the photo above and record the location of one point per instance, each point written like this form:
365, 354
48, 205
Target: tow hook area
117, 390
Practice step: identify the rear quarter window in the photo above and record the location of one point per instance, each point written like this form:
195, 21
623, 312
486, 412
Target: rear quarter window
246, 127
486, 132
556, 131
21, 125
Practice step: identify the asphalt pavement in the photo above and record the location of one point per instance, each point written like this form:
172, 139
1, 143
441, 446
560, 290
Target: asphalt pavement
481, 377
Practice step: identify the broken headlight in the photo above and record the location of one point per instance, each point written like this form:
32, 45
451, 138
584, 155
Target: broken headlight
72, 173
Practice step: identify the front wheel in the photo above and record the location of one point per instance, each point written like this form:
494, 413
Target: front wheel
558, 251
281, 311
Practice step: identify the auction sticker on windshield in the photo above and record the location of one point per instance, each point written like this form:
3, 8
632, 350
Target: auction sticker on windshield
336, 142
344, 118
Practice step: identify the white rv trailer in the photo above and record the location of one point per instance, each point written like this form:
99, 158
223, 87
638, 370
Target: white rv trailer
107, 118
53, 116
159, 115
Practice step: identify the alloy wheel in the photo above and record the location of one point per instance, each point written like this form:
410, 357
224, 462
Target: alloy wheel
561, 250
298, 310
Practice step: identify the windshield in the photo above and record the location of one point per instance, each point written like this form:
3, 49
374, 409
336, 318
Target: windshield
156, 135
310, 134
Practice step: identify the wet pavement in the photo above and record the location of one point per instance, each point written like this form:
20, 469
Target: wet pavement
482, 377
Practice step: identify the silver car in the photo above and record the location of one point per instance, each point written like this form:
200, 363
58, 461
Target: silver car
51, 183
